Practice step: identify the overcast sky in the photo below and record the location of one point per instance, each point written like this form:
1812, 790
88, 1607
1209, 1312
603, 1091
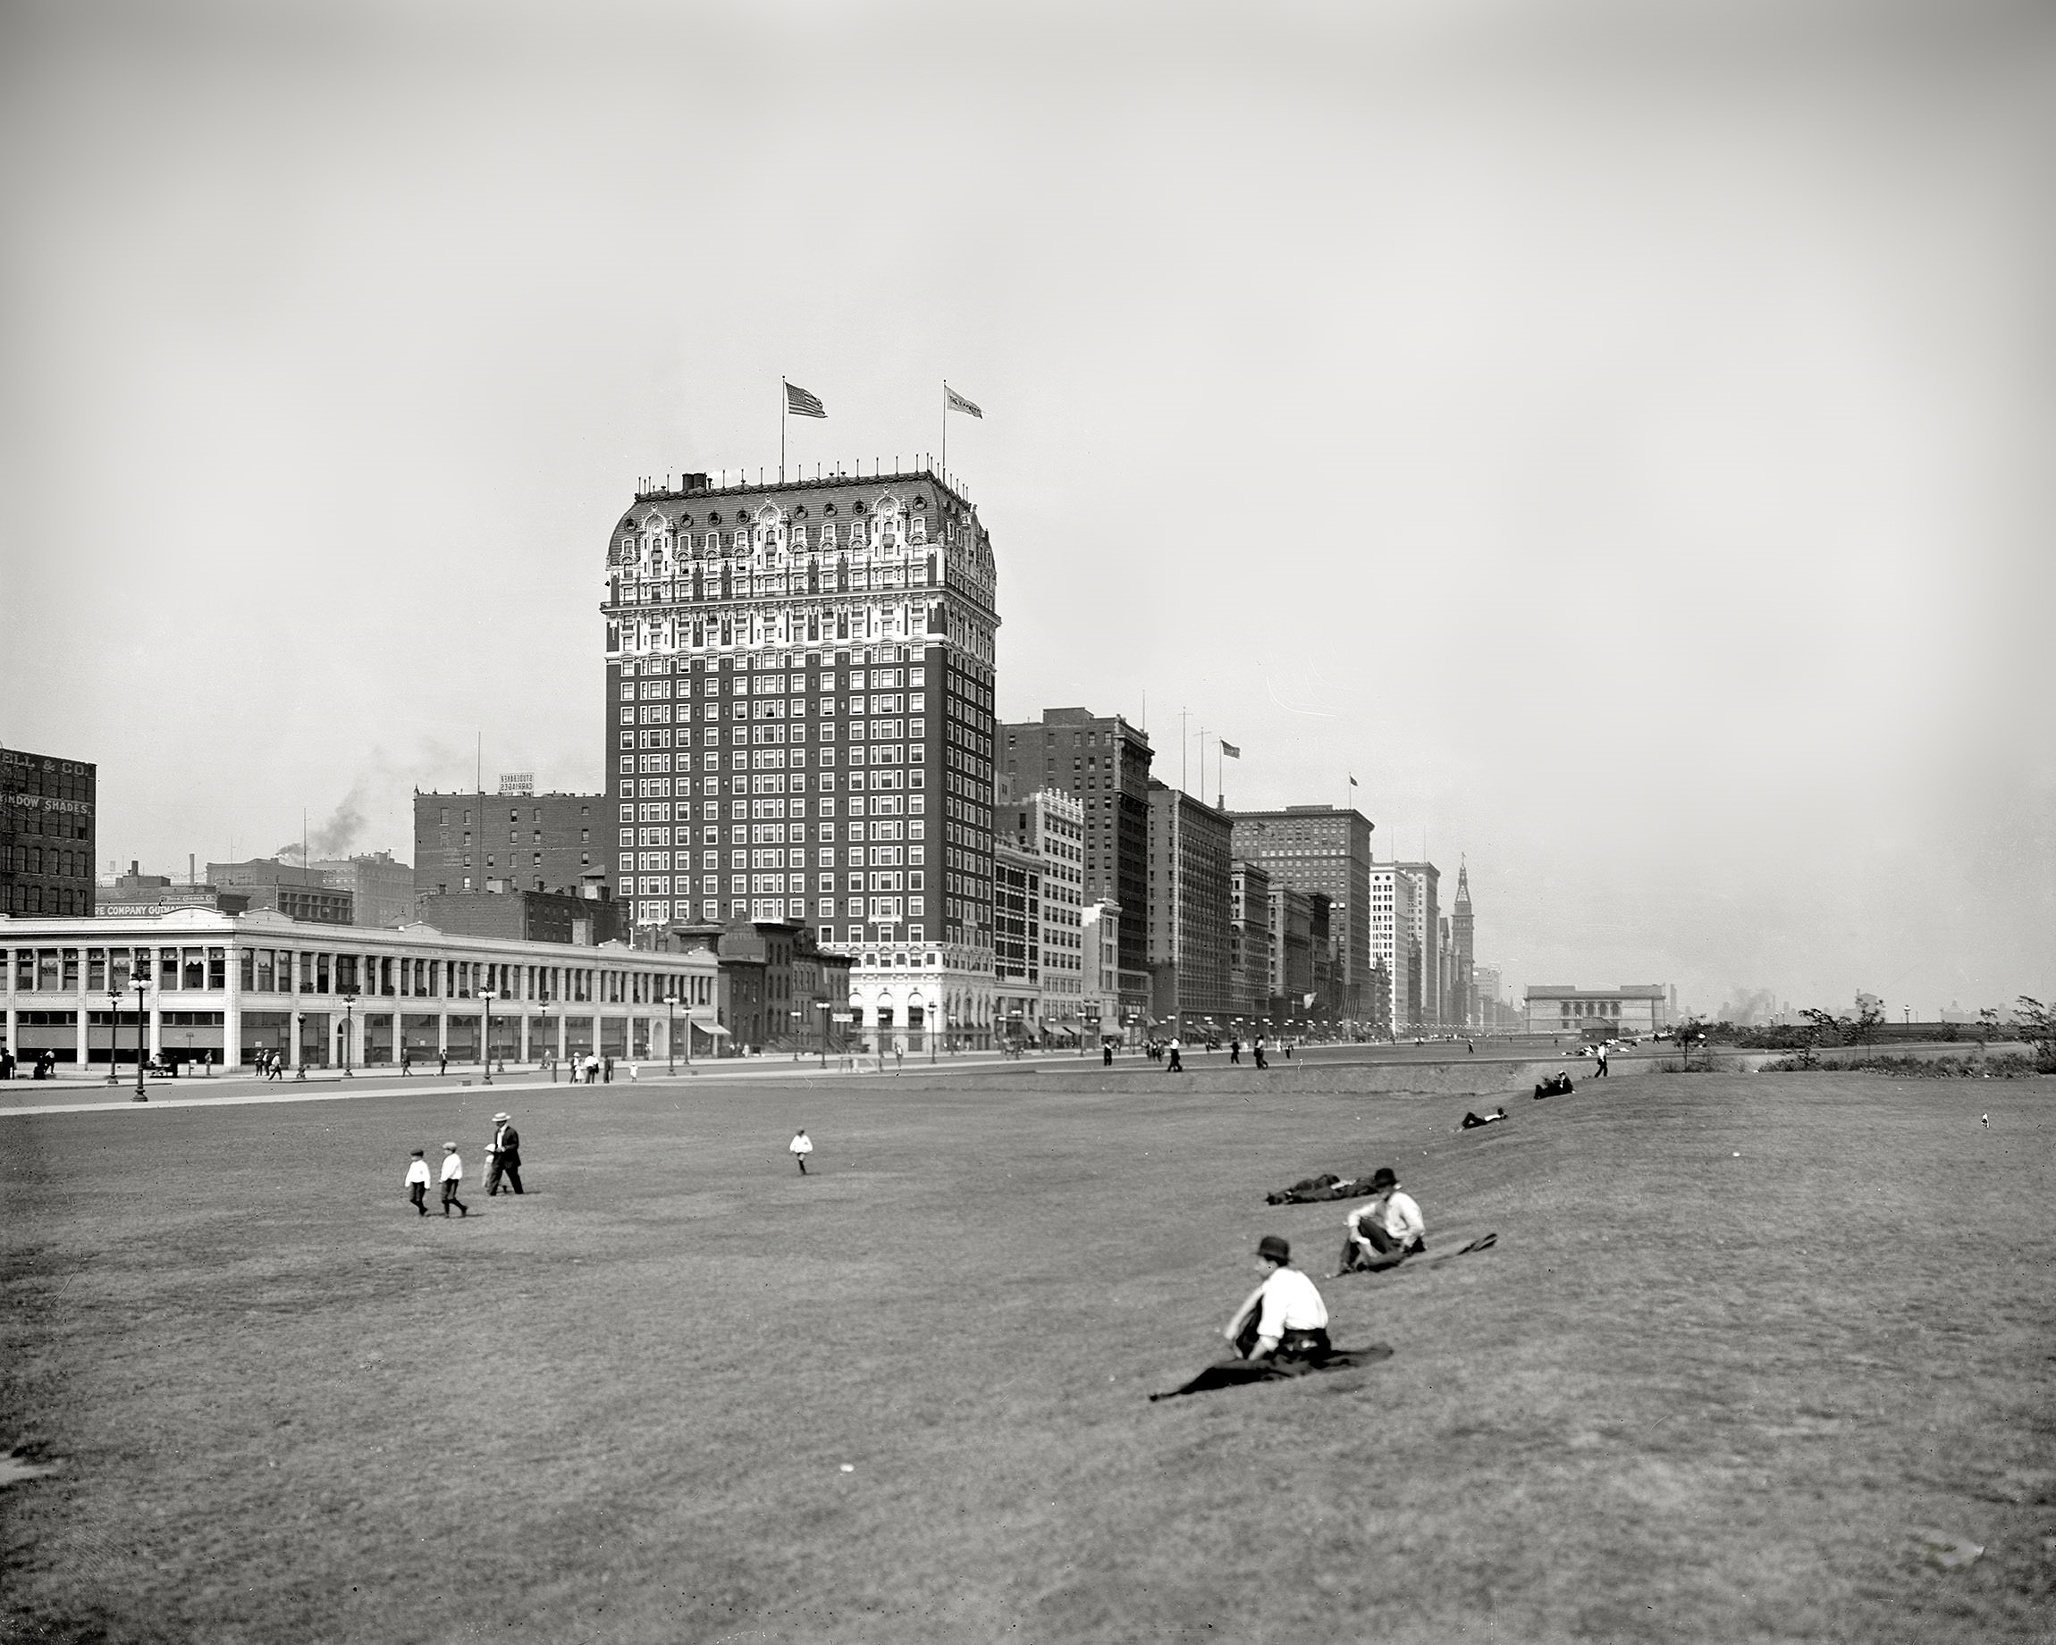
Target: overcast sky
1618, 435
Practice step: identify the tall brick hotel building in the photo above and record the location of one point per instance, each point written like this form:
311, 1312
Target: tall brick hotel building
800, 728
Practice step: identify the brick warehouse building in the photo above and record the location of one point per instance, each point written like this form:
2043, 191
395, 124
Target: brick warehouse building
799, 681
47, 833
522, 842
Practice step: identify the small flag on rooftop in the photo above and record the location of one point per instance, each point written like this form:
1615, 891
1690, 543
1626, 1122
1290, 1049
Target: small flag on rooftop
802, 404
1230, 751
1352, 782
956, 402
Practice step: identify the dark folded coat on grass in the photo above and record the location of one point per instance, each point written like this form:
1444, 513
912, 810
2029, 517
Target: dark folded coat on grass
1325, 1186
1232, 1373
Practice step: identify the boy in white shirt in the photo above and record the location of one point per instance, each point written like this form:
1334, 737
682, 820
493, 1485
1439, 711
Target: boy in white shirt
417, 1182
801, 1146
453, 1177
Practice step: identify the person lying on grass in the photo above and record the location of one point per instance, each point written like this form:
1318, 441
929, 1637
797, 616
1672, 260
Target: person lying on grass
1471, 1121
1384, 1233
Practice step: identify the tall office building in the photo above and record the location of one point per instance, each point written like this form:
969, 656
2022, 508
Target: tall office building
1050, 825
1189, 908
1463, 1007
1394, 947
1326, 849
1427, 930
47, 833
800, 727
1251, 940
1103, 762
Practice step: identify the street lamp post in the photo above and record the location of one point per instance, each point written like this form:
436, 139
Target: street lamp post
142, 982
349, 1023
114, 1036
485, 1050
671, 1032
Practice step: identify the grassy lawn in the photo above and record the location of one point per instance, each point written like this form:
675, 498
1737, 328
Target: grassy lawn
677, 1393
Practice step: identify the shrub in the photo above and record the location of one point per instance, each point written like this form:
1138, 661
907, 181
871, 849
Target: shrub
1916, 1068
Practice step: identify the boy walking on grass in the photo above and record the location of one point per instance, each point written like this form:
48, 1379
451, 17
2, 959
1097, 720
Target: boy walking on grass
417, 1182
453, 1177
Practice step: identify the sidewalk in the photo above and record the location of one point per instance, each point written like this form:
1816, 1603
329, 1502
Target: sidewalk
78, 1093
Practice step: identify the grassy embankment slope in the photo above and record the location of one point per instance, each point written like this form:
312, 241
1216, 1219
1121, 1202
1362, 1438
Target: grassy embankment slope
1689, 1396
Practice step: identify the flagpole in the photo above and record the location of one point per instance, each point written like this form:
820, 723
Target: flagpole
784, 411
945, 431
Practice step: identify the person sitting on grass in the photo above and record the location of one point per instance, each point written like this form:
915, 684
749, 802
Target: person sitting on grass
1281, 1329
1557, 1085
1284, 1318
1387, 1231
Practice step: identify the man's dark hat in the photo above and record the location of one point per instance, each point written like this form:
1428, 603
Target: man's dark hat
1382, 1178
1276, 1249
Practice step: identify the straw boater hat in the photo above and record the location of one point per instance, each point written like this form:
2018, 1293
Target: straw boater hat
499, 1119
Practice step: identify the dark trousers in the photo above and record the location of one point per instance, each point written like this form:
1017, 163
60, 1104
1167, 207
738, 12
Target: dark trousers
1385, 1252
1260, 1058
509, 1169
418, 1195
1175, 1066
450, 1198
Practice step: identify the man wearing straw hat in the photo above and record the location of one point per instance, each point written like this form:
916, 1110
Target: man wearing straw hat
503, 1156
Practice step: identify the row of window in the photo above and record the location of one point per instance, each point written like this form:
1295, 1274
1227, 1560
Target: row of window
768, 833
323, 971
34, 859
769, 776
882, 531
658, 716
34, 899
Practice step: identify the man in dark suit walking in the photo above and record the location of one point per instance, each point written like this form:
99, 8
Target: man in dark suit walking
505, 1149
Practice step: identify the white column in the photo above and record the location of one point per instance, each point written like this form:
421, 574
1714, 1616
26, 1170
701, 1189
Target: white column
232, 1011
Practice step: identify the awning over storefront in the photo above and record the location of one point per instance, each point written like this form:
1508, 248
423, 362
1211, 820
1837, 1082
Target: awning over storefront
1064, 1029
713, 1029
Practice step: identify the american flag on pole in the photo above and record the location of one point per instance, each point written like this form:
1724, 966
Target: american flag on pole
1230, 751
956, 402
799, 403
